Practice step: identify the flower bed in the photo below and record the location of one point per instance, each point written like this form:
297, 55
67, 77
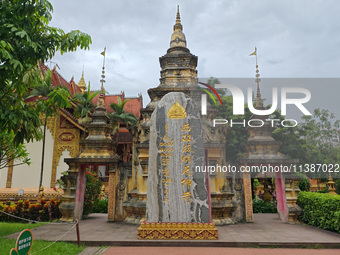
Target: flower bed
43, 211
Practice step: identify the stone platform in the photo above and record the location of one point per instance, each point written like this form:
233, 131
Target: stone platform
266, 231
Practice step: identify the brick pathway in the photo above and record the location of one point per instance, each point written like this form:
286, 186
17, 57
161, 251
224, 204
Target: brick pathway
214, 251
266, 231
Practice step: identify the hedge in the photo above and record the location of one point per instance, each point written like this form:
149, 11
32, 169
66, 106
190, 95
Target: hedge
320, 209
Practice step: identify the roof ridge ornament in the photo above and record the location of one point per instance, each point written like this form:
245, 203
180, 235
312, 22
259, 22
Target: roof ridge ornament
82, 83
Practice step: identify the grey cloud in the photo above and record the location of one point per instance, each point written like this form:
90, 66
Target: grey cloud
294, 38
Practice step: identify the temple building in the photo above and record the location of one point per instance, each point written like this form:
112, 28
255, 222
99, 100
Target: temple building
125, 174
63, 135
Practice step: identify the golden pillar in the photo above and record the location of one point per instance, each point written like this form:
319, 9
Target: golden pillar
248, 197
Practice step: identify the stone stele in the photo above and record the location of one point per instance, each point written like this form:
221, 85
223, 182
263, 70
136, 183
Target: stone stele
175, 192
177, 204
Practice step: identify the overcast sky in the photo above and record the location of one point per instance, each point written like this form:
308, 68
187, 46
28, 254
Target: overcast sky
294, 39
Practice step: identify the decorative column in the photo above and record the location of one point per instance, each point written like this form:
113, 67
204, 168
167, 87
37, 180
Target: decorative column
248, 197
292, 190
81, 186
9, 175
70, 186
112, 194
281, 197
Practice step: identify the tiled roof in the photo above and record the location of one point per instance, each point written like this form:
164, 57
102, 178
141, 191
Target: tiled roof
58, 80
133, 105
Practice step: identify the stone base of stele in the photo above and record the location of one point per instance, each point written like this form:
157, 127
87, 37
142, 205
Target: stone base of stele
176, 231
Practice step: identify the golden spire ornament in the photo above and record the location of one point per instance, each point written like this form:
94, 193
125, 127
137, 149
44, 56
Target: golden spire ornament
101, 101
81, 83
259, 102
178, 37
103, 71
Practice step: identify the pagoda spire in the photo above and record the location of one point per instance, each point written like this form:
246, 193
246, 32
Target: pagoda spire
178, 37
101, 102
102, 80
178, 16
259, 102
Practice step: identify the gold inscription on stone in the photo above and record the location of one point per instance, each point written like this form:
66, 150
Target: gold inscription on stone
176, 111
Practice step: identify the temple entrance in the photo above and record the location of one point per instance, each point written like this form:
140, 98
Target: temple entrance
264, 194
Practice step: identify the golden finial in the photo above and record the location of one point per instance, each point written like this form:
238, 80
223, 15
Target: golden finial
178, 16
101, 102
259, 103
81, 83
176, 111
177, 37
103, 71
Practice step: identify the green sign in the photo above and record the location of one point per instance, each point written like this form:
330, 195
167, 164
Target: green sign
23, 244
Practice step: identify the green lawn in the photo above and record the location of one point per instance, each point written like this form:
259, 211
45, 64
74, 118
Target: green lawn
56, 249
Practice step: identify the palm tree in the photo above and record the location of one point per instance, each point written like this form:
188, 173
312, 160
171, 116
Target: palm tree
120, 116
84, 106
50, 99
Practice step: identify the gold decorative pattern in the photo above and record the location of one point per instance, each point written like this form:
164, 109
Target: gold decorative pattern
51, 125
111, 197
61, 128
5, 197
175, 231
66, 137
176, 111
248, 197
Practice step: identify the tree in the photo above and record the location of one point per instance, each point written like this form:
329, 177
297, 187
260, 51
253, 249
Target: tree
26, 38
10, 151
314, 141
49, 100
84, 106
237, 135
120, 116
321, 131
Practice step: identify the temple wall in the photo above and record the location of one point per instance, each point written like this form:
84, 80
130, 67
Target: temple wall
25, 176
62, 166
3, 177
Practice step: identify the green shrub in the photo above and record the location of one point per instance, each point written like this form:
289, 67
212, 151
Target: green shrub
304, 184
92, 193
101, 206
337, 186
260, 206
320, 210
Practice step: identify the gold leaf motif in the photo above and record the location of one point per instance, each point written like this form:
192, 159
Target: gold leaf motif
176, 111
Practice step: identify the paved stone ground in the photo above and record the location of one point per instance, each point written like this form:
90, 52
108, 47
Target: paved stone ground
266, 231
95, 250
